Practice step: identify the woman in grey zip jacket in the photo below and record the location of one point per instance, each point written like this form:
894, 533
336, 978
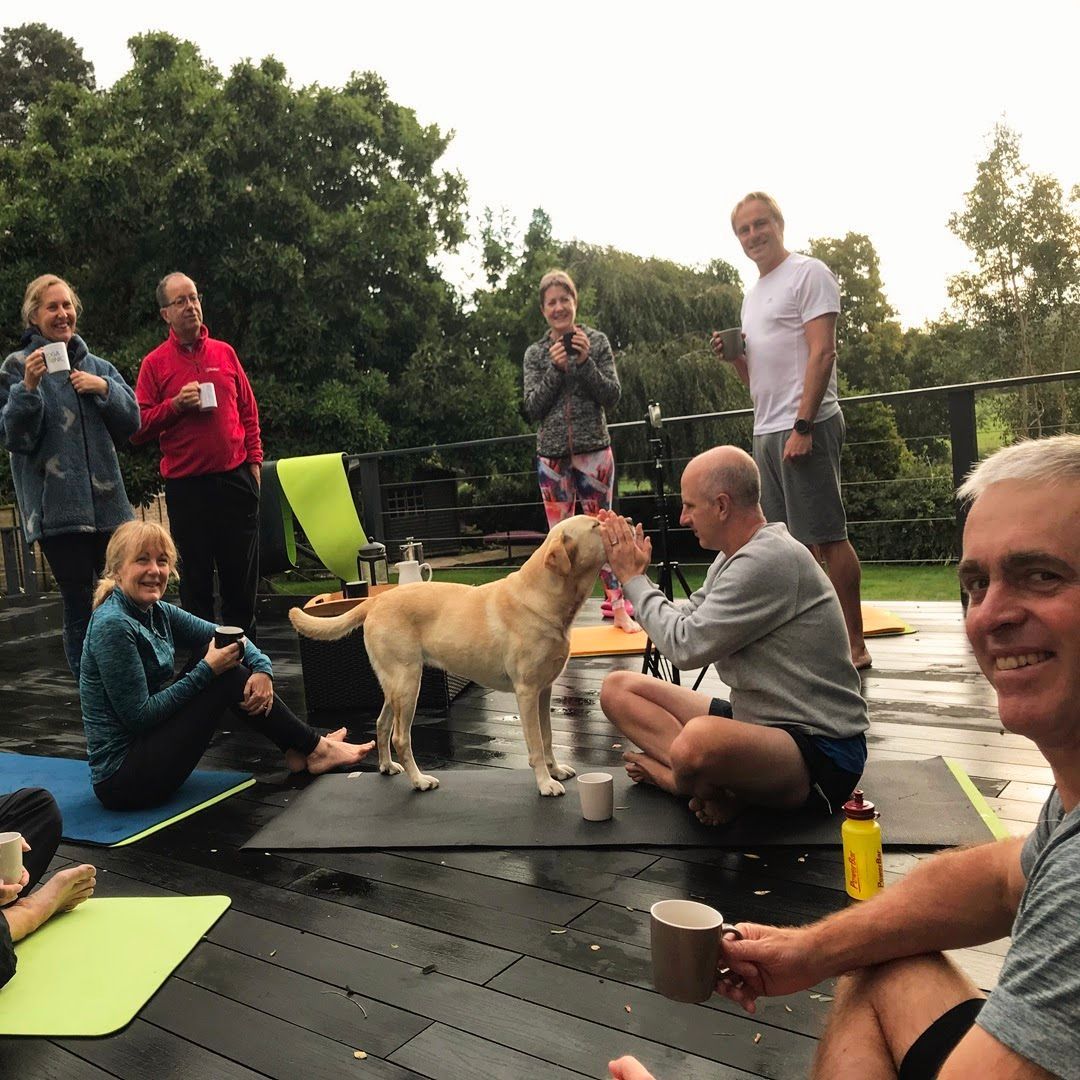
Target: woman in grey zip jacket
569, 380
62, 429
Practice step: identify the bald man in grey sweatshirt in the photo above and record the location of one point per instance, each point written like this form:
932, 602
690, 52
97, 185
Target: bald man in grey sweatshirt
792, 734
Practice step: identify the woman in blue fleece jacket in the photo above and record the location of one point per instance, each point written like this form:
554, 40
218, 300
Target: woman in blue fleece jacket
145, 730
62, 429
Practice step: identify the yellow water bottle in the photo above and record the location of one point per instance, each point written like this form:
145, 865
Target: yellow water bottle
864, 874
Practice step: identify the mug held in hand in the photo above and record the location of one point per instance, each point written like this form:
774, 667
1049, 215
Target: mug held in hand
568, 345
685, 938
225, 636
56, 357
207, 396
11, 858
732, 341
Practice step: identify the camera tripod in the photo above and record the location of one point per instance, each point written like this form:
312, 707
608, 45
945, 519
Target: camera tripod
653, 663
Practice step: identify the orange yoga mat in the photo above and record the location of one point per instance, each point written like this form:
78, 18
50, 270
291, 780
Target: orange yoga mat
605, 641
877, 622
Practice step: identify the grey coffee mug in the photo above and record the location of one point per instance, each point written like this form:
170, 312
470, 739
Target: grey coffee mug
685, 938
732, 340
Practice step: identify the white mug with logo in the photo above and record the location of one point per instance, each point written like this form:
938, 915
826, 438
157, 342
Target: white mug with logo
56, 357
411, 570
207, 396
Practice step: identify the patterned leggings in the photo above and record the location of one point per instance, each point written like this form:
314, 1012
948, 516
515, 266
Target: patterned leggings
588, 479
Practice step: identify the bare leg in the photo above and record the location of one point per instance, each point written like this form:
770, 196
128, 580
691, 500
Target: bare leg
879, 1012
650, 712
842, 566
724, 763
65, 890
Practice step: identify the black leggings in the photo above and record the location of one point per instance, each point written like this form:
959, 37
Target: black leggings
76, 560
34, 813
161, 759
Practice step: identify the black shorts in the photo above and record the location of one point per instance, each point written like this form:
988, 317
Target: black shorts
929, 1051
830, 785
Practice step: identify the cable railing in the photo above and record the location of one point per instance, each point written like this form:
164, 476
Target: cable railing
897, 482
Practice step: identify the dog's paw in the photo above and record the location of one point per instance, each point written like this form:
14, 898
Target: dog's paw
423, 782
391, 768
562, 772
551, 787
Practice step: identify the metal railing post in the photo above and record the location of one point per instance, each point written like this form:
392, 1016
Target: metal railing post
371, 497
964, 439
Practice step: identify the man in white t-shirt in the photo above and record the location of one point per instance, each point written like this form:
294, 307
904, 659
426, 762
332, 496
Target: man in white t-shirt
789, 323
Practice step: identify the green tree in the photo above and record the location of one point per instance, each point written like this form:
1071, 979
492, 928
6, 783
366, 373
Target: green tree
308, 216
33, 58
1025, 290
870, 342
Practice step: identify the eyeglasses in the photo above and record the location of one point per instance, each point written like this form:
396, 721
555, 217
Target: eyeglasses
182, 302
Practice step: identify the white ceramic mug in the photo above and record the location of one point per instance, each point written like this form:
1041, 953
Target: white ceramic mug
11, 861
411, 570
207, 396
56, 357
597, 791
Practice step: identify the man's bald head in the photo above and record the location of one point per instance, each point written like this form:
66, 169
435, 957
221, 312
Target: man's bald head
728, 470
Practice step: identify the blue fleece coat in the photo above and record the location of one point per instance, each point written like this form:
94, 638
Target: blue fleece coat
63, 444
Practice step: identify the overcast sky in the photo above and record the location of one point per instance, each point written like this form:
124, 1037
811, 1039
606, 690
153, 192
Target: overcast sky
639, 125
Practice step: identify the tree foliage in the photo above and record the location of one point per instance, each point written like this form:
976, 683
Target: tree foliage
33, 59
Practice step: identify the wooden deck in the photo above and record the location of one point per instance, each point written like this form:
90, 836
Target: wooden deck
477, 963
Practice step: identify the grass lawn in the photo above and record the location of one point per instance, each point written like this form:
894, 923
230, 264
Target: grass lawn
879, 582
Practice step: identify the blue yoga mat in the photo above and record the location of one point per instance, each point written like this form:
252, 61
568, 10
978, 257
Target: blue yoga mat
86, 821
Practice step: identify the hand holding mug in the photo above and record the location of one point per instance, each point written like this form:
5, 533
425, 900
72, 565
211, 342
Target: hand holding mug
187, 398
557, 355
222, 660
34, 369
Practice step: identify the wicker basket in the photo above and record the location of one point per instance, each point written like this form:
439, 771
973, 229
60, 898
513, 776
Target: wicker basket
337, 675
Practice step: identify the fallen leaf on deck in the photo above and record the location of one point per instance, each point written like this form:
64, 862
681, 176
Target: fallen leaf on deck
788, 1008
558, 931
359, 1055
428, 970
747, 855
757, 1038
762, 892
595, 948
627, 1008
273, 952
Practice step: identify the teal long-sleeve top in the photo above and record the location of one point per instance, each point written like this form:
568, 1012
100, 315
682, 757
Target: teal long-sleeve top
128, 663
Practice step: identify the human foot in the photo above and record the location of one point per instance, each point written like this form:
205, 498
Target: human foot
861, 658
715, 811
65, 890
643, 769
332, 753
624, 622
297, 762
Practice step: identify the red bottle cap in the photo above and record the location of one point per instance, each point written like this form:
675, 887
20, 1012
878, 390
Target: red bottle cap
859, 809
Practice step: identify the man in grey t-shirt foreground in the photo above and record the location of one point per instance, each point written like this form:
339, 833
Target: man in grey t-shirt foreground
766, 615
903, 1009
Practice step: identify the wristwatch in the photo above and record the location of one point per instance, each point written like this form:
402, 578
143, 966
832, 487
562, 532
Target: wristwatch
803, 427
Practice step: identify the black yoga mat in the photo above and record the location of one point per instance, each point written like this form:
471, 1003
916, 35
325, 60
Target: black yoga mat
922, 803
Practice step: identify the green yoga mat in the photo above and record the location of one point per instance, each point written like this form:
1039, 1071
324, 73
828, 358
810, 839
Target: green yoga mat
318, 493
88, 972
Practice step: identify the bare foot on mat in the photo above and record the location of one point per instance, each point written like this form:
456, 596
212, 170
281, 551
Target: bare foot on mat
334, 753
297, 762
862, 660
715, 811
643, 769
624, 622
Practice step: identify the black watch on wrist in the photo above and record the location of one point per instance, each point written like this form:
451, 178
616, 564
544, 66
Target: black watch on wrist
803, 427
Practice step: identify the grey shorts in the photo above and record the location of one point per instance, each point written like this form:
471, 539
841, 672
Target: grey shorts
804, 495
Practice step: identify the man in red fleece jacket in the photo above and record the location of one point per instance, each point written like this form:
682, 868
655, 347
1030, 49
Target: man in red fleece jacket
211, 456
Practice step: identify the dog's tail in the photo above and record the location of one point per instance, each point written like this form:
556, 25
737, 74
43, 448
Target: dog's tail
328, 629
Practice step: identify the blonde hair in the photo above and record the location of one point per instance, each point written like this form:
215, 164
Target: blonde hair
131, 538
759, 196
557, 277
36, 290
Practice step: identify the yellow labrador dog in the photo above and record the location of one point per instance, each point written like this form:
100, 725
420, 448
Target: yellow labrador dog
512, 634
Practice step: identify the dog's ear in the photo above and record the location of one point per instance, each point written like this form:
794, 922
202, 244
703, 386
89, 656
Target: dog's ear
557, 557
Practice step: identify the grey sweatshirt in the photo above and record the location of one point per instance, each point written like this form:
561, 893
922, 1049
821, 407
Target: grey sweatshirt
570, 404
768, 617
